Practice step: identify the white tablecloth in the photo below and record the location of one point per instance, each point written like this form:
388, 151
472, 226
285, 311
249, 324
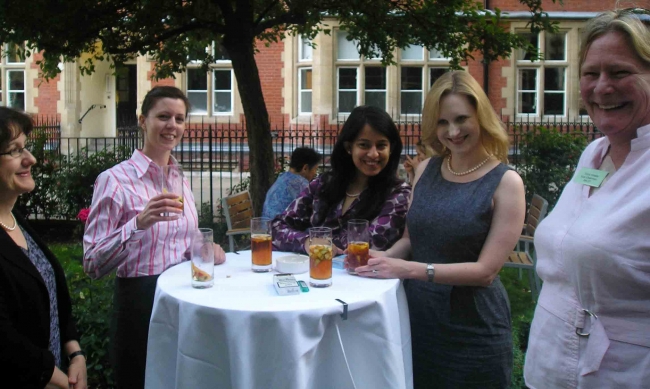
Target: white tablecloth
241, 334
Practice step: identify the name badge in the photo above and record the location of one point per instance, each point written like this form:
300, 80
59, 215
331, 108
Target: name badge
590, 177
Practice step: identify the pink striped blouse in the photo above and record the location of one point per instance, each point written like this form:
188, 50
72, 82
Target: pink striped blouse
111, 239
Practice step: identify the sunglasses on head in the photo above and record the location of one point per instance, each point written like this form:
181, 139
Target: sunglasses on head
641, 13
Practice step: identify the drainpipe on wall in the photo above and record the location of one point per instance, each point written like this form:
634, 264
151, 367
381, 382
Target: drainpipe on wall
486, 66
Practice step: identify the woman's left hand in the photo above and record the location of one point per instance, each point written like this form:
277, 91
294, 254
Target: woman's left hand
219, 254
384, 267
77, 374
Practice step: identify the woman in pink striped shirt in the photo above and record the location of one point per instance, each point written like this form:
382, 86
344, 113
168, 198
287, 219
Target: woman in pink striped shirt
126, 230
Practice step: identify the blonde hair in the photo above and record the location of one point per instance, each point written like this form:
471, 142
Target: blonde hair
493, 134
631, 22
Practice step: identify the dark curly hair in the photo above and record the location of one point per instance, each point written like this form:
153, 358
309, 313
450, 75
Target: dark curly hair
343, 169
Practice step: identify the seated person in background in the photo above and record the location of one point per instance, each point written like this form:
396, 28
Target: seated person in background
302, 169
362, 184
423, 152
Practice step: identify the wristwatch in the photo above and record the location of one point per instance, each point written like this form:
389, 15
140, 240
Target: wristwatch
431, 271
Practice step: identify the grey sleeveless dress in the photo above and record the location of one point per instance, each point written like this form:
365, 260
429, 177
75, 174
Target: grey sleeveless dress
461, 335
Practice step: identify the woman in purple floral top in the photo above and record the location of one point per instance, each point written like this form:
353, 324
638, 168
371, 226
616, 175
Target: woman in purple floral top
362, 184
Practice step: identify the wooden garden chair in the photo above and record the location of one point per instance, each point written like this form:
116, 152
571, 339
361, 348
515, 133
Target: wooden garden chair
238, 209
523, 257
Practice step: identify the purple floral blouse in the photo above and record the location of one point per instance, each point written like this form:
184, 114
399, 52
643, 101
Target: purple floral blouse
290, 229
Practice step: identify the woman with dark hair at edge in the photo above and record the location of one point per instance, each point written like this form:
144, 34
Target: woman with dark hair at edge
38, 336
141, 232
361, 184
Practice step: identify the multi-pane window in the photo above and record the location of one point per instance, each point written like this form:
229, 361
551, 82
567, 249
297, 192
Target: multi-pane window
542, 84
419, 69
359, 80
304, 92
411, 90
305, 56
211, 92
12, 76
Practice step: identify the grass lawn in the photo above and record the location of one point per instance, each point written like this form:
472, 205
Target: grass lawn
521, 302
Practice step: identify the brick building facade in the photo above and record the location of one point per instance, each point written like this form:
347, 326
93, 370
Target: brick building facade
303, 84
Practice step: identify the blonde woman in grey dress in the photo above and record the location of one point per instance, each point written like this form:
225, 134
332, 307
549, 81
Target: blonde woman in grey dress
465, 218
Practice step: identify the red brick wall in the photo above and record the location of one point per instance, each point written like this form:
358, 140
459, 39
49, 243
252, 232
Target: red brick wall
164, 82
548, 5
270, 65
48, 95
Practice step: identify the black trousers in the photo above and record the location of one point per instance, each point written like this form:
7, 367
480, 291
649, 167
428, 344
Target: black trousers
132, 306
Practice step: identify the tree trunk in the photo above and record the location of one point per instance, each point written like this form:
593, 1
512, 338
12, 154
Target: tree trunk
257, 117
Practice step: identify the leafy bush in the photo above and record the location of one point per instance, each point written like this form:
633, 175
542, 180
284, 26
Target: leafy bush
76, 178
92, 302
41, 200
550, 158
64, 184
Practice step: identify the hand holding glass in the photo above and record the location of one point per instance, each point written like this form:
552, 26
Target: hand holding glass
203, 258
172, 182
320, 257
358, 244
261, 244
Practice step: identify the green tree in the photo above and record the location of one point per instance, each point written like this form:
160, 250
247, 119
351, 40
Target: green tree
169, 30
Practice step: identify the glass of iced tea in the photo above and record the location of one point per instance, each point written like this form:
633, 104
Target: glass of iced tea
202, 258
358, 244
320, 257
261, 244
172, 182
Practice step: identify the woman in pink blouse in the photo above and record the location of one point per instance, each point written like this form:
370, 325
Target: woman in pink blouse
362, 184
127, 230
592, 321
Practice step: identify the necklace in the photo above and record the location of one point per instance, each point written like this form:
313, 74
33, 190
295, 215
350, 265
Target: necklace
475, 168
352, 195
6, 227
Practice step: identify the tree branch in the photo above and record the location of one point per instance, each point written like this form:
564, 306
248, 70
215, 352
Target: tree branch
263, 13
280, 20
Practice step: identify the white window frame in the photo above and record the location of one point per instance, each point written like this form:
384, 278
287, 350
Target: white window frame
338, 90
366, 90
190, 92
215, 91
422, 89
304, 48
211, 92
360, 64
301, 91
426, 62
6, 68
11, 92
541, 65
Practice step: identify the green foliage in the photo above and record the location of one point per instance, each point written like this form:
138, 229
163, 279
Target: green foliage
41, 200
64, 184
76, 177
522, 308
212, 217
550, 158
92, 302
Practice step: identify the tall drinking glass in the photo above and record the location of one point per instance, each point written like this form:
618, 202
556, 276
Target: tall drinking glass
202, 258
320, 257
358, 244
172, 182
261, 244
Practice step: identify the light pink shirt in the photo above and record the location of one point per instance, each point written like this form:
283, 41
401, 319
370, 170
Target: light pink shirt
111, 239
593, 254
